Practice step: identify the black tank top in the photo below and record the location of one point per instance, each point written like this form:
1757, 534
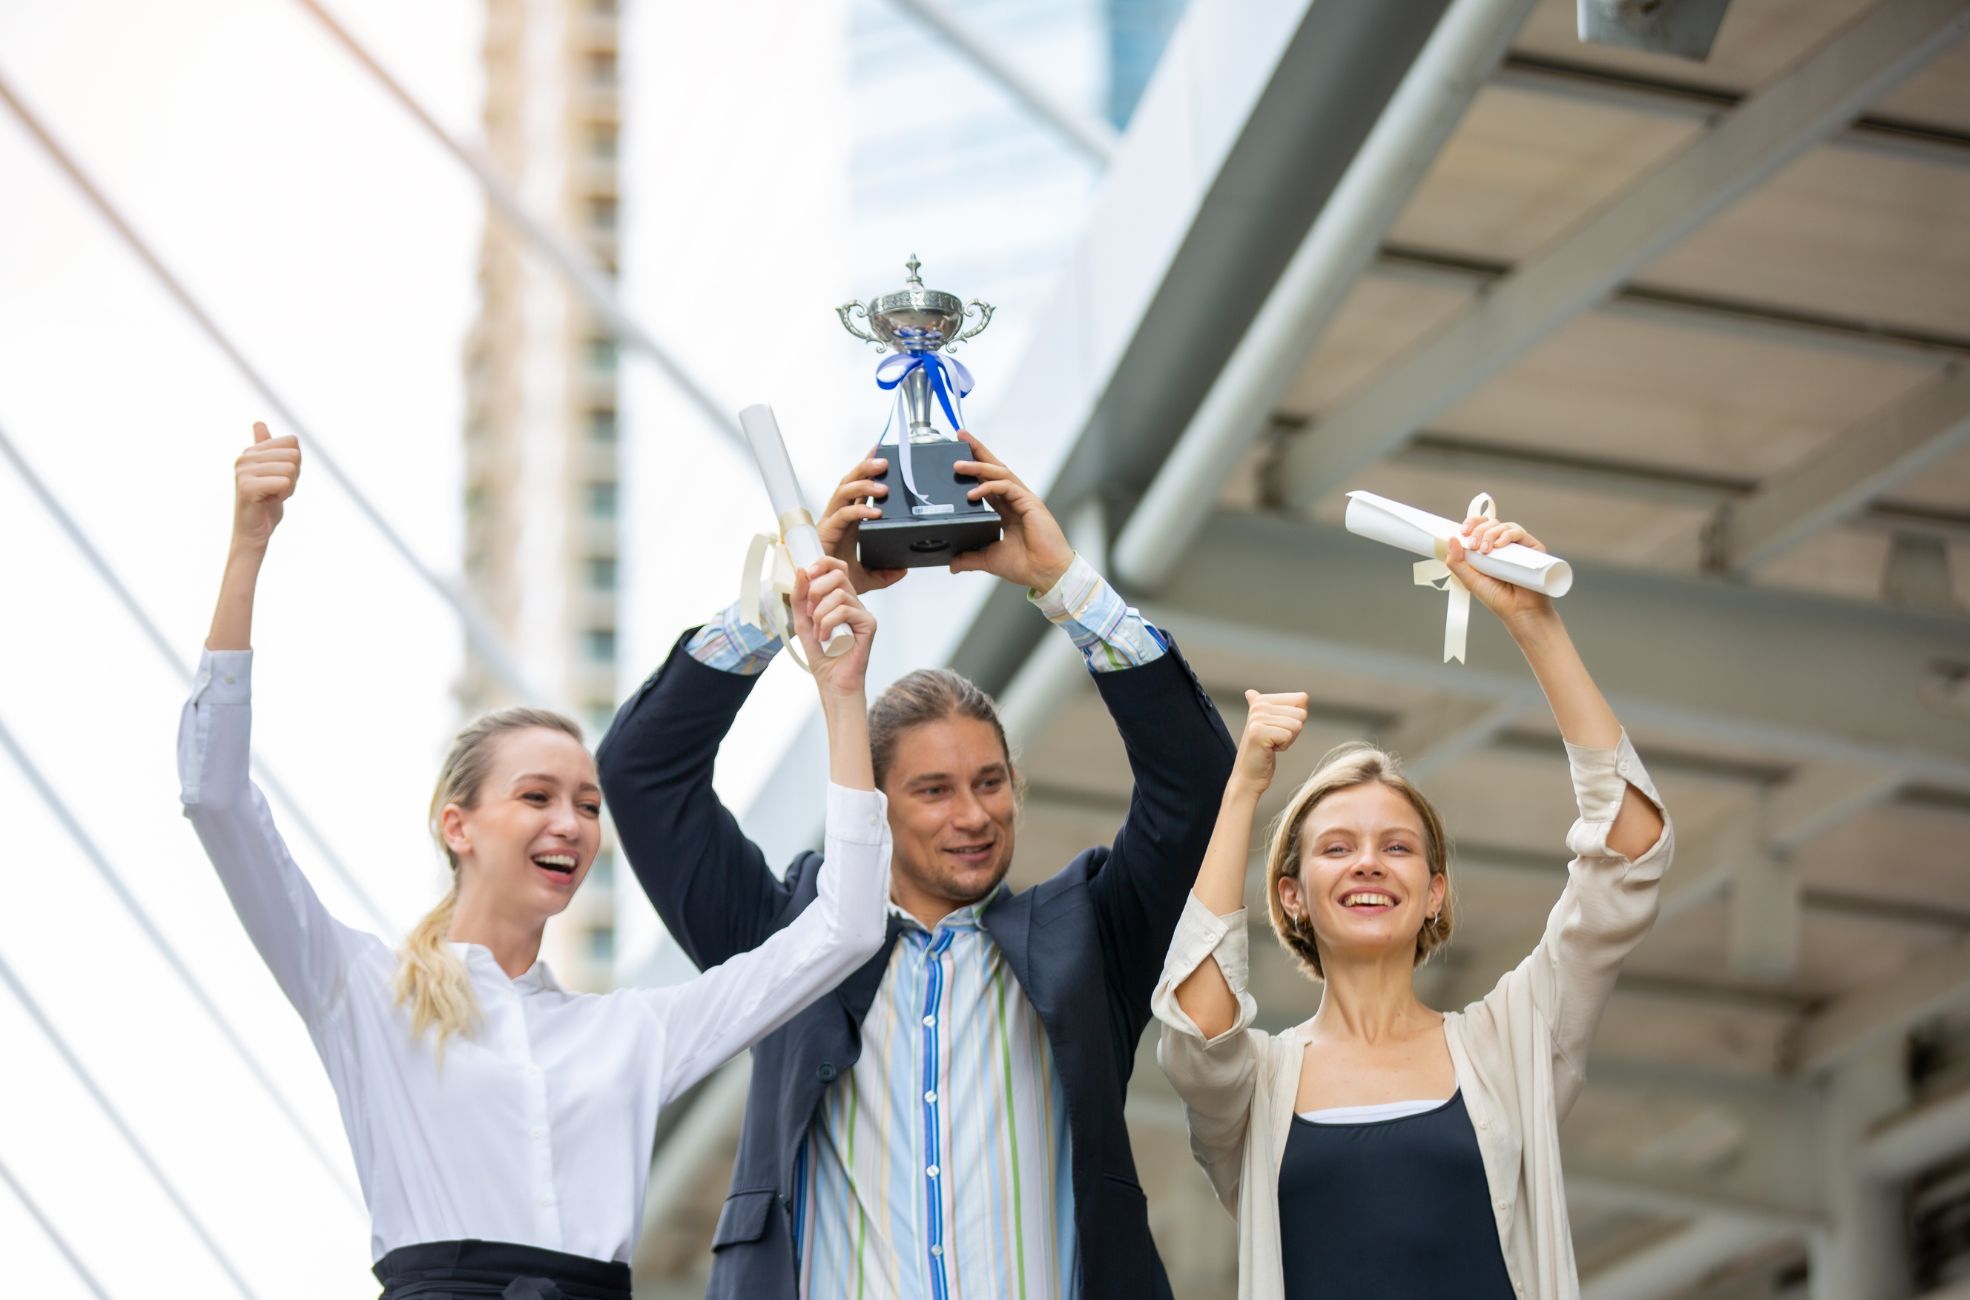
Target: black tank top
1395, 1209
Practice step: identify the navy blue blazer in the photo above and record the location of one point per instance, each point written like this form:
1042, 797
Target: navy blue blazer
1086, 945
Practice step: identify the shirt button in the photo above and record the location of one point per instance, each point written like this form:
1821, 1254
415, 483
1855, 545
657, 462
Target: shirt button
230, 679
931, 1096
546, 1202
937, 1252
826, 1073
873, 819
931, 1172
537, 1134
930, 1020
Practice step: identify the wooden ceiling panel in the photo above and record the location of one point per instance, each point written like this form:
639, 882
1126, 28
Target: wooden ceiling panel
1844, 233
1838, 562
1693, 399
1382, 317
1682, 1033
1943, 486
1522, 167
1937, 96
1895, 854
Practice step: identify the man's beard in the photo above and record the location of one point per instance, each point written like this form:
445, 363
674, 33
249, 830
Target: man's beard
960, 889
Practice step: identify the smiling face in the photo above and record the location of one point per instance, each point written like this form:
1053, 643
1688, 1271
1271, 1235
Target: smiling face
951, 814
1363, 875
533, 826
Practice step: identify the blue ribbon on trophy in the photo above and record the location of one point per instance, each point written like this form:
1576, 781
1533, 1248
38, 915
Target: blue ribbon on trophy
933, 518
950, 390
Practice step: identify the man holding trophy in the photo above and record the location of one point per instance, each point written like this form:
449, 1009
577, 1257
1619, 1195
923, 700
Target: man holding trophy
950, 1121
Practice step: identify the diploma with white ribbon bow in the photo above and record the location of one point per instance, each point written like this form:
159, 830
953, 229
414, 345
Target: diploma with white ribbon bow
767, 601
1422, 533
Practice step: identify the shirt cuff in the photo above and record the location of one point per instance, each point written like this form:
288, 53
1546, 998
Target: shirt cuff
732, 645
1601, 778
857, 816
1109, 633
1202, 934
224, 677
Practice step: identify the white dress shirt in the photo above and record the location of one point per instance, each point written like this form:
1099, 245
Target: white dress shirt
538, 1129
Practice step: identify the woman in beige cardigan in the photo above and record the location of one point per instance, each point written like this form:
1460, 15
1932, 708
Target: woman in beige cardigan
1384, 1150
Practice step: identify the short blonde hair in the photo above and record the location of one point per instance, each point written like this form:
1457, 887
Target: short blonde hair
1356, 763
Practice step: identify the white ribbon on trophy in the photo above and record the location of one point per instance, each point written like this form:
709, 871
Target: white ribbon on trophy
766, 594
1421, 533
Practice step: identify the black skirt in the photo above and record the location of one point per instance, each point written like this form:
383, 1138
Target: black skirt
476, 1270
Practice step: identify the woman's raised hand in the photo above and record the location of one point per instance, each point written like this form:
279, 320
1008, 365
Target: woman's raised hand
263, 480
1510, 602
1272, 723
824, 599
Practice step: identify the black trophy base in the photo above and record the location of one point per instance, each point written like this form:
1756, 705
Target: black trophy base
913, 538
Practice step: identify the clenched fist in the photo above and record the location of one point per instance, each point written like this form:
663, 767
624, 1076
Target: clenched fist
263, 480
1272, 723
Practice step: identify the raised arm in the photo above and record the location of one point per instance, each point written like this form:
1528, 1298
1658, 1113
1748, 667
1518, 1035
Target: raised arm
1621, 841
1583, 713
1272, 724
263, 479
301, 944
731, 1006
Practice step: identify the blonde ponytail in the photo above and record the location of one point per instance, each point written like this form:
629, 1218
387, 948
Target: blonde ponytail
431, 979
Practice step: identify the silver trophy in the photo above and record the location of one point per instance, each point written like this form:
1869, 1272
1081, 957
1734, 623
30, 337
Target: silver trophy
930, 519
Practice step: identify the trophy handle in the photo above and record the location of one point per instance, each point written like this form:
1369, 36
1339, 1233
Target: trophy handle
847, 311
982, 310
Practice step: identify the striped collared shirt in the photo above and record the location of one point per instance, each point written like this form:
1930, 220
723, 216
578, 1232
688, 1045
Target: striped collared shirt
938, 1168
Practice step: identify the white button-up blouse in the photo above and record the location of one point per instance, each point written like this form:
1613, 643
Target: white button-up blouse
538, 1129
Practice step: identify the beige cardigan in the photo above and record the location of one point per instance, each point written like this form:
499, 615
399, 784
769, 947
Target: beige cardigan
1518, 1052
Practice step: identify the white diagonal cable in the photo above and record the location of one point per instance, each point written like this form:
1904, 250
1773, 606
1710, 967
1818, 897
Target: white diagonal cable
122, 1126
575, 263
1087, 135
165, 950
483, 638
73, 531
54, 1233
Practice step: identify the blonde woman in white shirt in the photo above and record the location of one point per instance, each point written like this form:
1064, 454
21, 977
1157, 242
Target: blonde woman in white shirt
502, 1126
1382, 1148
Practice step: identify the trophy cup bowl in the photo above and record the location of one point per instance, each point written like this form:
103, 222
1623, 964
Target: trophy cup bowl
927, 518
916, 320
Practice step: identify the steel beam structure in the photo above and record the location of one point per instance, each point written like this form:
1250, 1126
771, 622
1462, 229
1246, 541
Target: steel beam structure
1771, 128
1842, 478
1647, 632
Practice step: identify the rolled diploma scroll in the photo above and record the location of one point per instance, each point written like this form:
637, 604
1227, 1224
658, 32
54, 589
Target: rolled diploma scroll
1422, 533
769, 452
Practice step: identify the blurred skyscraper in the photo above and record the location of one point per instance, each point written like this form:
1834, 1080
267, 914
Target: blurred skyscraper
541, 468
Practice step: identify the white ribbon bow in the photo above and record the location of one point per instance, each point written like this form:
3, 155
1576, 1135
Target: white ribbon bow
766, 592
1436, 573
